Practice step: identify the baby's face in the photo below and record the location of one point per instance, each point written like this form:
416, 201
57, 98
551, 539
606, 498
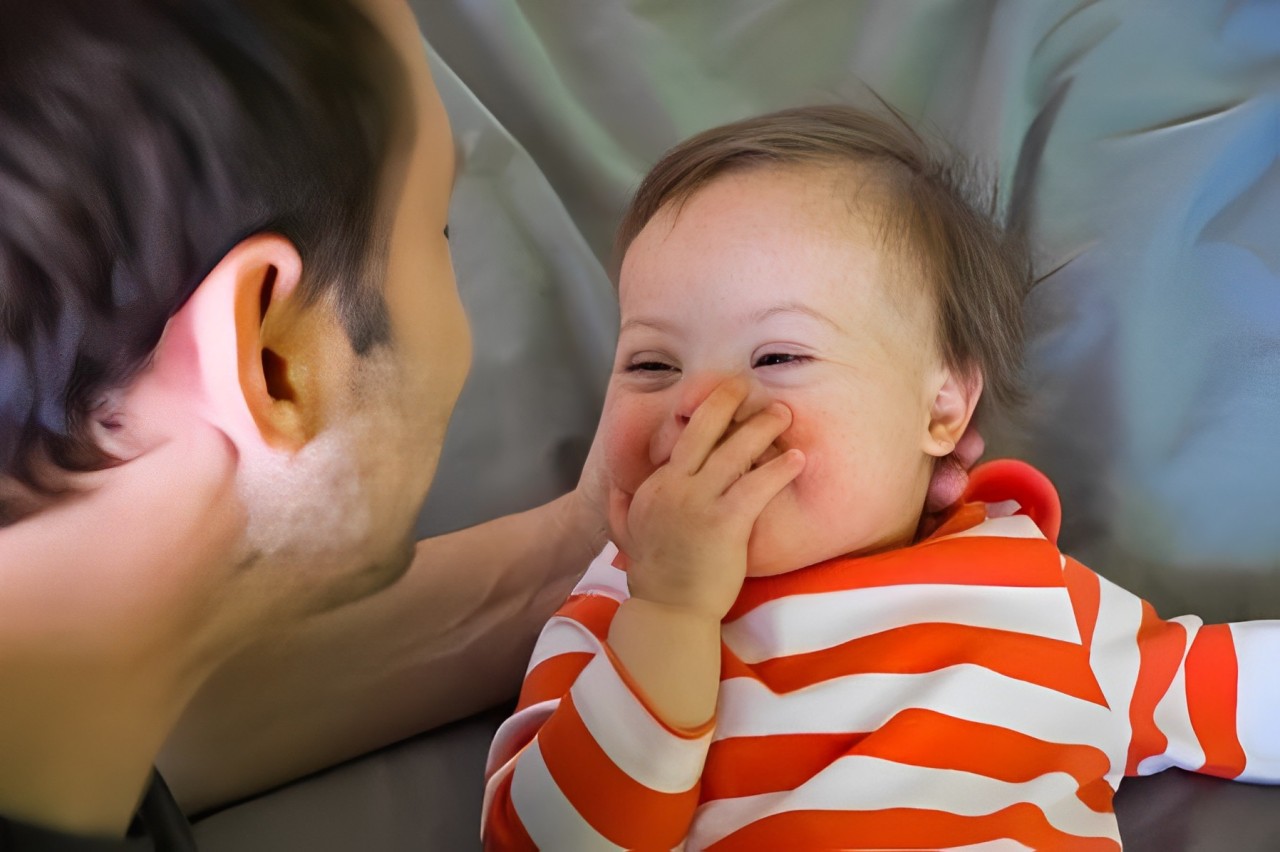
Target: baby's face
773, 275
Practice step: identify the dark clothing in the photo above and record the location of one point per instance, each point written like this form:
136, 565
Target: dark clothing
158, 827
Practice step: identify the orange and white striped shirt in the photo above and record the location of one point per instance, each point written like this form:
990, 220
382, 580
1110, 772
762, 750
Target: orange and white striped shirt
977, 690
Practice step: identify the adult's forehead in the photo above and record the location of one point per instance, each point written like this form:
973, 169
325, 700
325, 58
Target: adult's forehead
398, 25
427, 162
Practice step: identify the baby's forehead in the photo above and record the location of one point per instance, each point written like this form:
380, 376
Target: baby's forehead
793, 222
850, 199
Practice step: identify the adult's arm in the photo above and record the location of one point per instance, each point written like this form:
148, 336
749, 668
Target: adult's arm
452, 637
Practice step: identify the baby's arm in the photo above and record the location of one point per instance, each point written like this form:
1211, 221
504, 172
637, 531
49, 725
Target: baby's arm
1202, 697
685, 535
584, 763
615, 718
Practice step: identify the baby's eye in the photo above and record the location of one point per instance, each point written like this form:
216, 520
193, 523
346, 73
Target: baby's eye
648, 367
774, 359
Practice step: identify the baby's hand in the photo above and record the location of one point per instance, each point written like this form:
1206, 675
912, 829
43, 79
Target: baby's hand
685, 529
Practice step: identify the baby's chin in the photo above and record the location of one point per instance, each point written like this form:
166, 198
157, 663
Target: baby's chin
769, 556
771, 552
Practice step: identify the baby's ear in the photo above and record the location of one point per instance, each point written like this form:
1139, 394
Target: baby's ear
952, 408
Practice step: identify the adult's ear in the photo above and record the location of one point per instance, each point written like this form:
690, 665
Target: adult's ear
260, 353
952, 409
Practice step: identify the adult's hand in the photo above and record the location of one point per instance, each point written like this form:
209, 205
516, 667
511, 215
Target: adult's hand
590, 500
950, 478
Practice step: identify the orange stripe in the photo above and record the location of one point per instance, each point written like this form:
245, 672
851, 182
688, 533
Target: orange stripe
1086, 598
904, 828
1212, 680
965, 516
1161, 645
623, 810
731, 665
921, 648
553, 677
1010, 479
594, 612
977, 561
748, 766
503, 830
926, 738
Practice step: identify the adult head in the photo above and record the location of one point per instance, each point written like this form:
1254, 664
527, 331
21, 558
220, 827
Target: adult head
227, 217
229, 342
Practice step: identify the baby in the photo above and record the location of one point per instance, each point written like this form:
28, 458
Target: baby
777, 654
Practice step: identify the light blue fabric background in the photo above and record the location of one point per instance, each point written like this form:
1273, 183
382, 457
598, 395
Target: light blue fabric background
1136, 139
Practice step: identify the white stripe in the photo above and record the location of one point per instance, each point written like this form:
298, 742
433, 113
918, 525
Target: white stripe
1258, 697
1012, 526
562, 635
802, 623
864, 702
496, 777
1173, 719
602, 577
1004, 845
869, 783
515, 732
637, 743
1115, 662
549, 818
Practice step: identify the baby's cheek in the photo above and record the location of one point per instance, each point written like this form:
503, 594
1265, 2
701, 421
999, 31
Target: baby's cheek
626, 451
801, 435
829, 467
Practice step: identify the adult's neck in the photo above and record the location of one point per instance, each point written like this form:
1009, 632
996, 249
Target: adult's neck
114, 609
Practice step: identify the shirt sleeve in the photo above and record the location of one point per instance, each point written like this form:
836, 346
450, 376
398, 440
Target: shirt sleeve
1201, 697
584, 763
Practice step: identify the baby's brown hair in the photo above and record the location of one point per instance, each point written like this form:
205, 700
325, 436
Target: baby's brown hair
979, 270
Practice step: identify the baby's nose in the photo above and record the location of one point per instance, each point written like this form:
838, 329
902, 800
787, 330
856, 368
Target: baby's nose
691, 395
694, 390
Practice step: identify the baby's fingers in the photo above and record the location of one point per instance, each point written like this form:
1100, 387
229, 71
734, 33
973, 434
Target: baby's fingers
753, 491
743, 448
707, 426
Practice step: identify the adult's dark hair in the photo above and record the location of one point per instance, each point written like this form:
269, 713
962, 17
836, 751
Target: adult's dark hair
978, 271
140, 140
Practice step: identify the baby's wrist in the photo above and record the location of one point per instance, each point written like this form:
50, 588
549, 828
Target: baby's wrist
675, 610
